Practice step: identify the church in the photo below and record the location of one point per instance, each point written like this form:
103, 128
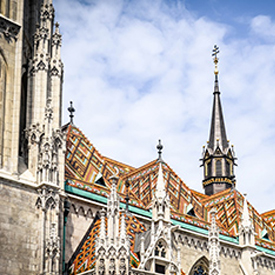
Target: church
67, 209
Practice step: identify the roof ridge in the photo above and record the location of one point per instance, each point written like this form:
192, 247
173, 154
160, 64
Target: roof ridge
118, 162
85, 137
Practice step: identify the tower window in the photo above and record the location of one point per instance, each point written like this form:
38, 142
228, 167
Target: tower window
227, 168
218, 168
160, 269
208, 169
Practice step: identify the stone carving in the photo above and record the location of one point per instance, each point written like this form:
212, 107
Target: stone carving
101, 268
47, 12
48, 198
9, 29
112, 267
122, 267
52, 251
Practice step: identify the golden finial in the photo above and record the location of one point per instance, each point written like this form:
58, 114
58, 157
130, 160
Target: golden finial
216, 60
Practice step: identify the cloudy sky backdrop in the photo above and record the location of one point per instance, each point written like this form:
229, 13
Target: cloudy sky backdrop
140, 70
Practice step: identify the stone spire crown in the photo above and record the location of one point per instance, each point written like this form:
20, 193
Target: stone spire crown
218, 158
217, 136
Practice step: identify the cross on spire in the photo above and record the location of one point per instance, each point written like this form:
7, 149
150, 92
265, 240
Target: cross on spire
71, 110
215, 52
159, 147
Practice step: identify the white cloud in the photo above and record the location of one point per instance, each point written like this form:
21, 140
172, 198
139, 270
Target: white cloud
138, 71
263, 26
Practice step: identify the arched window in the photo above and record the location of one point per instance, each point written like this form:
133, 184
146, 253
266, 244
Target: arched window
200, 270
201, 267
208, 168
227, 168
218, 168
160, 250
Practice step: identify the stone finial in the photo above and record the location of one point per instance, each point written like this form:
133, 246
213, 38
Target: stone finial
71, 110
246, 228
159, 147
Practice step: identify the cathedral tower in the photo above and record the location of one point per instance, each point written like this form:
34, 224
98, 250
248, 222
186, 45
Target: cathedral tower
218, 158
32, 145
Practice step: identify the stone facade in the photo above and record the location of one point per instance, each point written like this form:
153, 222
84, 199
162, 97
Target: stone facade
20, 234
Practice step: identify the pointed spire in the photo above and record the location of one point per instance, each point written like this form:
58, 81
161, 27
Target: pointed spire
217, 128
246, 222
218, 158
246, 228
160, 187
214, 245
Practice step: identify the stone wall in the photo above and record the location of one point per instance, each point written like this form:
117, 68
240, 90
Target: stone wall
80, 218
19, 230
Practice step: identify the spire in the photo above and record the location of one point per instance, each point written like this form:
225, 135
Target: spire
214, 245
217, 129
217, 157
246, 222
160, 187
246, 228
113, 211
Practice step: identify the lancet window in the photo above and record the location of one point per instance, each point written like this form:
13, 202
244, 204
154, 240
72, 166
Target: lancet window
218, 168
200, 270
200, 267
160, 250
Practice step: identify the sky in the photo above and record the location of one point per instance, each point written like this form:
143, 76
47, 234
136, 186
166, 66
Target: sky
139, 70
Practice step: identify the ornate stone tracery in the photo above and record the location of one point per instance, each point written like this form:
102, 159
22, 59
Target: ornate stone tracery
201, 267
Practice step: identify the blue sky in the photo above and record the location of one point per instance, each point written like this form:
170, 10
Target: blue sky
142, 70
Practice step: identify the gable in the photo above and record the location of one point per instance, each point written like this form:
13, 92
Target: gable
143, 186
84, 259
83, 162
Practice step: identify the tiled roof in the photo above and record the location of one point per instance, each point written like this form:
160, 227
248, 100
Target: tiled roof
84, 257
87, 170
229, 205
85, 166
